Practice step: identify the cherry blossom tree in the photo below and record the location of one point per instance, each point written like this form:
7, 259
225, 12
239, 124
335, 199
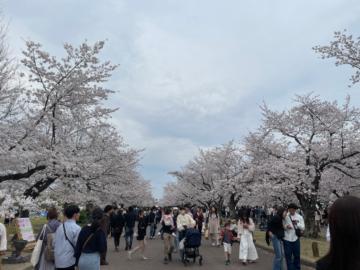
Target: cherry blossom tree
345, 49
55, 132
301, 145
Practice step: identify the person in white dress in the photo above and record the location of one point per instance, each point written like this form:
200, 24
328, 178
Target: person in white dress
247, 250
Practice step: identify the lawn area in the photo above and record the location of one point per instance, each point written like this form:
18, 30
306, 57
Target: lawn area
306, 246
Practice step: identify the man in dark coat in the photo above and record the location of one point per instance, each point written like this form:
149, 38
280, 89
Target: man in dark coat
105, 226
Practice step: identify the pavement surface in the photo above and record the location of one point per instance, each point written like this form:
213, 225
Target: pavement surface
213, 258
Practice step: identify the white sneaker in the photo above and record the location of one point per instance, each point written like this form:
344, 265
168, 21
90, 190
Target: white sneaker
129, 255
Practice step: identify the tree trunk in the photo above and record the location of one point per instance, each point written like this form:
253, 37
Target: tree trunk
308, 206
232, 205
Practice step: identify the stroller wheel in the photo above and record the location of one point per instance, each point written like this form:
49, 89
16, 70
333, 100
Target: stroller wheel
200, 260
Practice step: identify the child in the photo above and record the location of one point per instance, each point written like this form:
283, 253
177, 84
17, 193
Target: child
227, 238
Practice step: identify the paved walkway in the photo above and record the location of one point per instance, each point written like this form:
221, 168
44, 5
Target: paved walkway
213, 259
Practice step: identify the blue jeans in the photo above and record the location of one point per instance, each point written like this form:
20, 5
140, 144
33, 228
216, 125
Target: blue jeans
292, 254
278, 250
152, 230
129, 234
89, 261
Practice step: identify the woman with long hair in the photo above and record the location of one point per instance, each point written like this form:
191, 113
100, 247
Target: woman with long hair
141, 235
91, 243
344, 224
213, 224
246, 228
275, 233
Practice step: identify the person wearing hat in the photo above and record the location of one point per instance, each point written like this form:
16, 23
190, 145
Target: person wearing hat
294, 227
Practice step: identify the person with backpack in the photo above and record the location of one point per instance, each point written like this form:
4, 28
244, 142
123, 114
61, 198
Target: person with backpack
91, 243
294, 227
46, 258
65, 239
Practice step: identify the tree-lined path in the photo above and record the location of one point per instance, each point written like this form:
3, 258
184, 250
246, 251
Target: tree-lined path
213, 259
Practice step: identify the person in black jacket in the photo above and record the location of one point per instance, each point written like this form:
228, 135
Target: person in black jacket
141, 234
91, 243
152, 222
344, 223
130, 219
117, 225
276, 233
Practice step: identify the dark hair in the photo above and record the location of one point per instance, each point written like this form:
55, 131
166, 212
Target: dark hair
96, 218
141, 212
52, 213
108, 208
216, 211
167, 211
227, 223
344, 223
130, 209
182, 208
280, 211
293, 206
244, 215
71, 210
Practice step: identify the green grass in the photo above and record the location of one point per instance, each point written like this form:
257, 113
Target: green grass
37, 223
306, 246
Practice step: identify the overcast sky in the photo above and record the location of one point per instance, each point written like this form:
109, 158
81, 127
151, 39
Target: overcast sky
193, 73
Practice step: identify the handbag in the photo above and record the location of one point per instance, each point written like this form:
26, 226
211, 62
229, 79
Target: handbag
207, 234
299, 233
35, 256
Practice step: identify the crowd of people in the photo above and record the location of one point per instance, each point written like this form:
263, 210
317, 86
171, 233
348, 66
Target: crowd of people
65, 245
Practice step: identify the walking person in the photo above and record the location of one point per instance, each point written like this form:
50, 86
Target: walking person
246, 228
275, 233
227, 239
91, 243
175, 232
46, 258
117, 225
106, 227
294, 226
183, 221
65, 239
213, 224
199, 219
152, 222
141, 235
168, 227
130, 219
344, 223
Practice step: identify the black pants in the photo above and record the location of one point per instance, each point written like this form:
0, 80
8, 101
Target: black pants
117, 232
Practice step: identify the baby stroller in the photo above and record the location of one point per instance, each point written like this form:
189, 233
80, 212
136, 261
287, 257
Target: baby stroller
192, 242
